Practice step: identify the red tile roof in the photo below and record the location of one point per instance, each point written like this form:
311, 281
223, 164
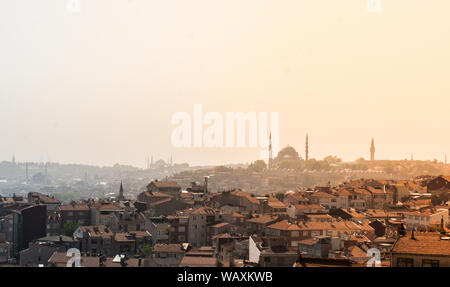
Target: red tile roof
423, 244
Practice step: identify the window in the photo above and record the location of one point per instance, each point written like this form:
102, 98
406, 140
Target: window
405, 262
430, 263
70, 213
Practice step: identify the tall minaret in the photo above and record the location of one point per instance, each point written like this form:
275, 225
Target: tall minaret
269, 165
151, 162
372, 150
148, 162
445, 158
121, 192
307, 148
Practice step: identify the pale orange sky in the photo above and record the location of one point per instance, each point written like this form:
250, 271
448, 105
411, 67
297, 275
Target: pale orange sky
101, 86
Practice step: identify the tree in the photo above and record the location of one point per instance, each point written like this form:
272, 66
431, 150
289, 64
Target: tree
279, 196
331, 159
69, 228
223, 168
146, 250
257, 166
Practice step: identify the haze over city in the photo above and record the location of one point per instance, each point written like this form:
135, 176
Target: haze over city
100, 86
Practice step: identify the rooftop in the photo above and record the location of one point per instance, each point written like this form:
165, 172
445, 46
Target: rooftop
424, 243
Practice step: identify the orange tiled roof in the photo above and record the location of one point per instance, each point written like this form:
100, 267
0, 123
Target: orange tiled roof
262, 219
423, 244
166, 184
322, 194
284, 225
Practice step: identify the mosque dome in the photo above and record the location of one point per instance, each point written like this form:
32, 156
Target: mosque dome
288, 153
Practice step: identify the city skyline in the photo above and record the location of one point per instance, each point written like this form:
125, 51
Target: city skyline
151, 160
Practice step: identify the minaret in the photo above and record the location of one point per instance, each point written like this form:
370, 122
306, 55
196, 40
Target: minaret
269, 165
14, 159
151, 163
372, 150
445, 159
120, 192
148, 162
307, 148
171, 161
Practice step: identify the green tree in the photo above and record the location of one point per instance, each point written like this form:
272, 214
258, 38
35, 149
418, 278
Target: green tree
279, 196
69, 228
146, 250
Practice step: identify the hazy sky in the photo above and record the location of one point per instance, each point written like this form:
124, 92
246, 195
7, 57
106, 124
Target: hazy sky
100, 86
